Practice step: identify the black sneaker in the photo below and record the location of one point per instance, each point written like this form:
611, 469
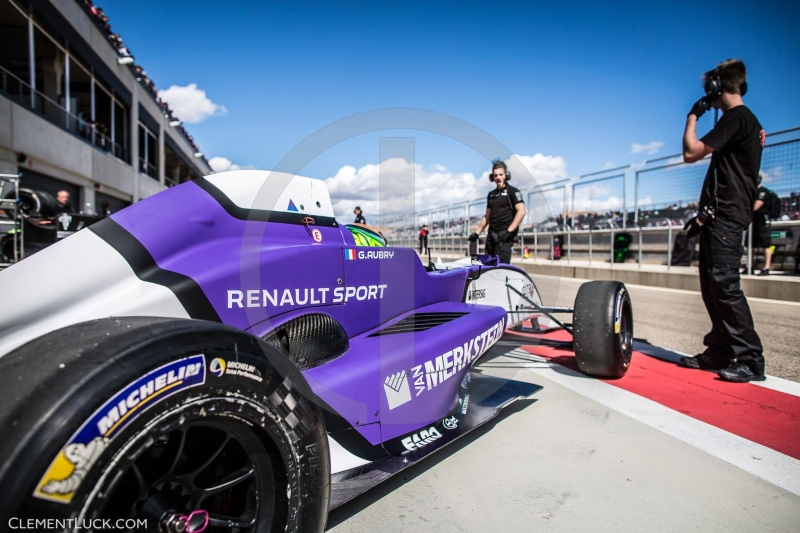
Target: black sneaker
704, 362
764, 272
740, 373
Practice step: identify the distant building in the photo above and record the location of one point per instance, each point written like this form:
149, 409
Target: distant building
76, 113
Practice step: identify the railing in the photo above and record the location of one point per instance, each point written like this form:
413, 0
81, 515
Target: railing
647, 246
654, 197
148, 168
23, 94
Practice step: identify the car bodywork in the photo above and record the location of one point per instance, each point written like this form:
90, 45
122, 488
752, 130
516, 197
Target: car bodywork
386, 344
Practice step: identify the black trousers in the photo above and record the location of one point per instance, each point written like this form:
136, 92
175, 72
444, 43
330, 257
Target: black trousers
495, 246
732, 335
423, 242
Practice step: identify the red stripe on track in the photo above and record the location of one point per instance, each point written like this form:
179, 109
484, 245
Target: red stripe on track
765, 416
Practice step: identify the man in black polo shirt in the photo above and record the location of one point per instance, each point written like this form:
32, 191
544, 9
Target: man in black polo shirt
504, 213
733, 347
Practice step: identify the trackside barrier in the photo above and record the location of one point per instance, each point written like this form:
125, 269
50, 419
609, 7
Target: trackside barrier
585, 212
648, 246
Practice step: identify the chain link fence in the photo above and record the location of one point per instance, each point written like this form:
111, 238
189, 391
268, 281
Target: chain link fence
625, 214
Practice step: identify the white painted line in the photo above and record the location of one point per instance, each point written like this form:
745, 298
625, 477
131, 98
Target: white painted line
779, 384
770, 465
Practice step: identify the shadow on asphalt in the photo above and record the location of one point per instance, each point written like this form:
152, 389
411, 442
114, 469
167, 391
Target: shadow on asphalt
361, 502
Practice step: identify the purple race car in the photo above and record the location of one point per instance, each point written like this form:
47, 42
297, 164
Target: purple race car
225, 356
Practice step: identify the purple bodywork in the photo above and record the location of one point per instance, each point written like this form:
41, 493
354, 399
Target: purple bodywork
257, 275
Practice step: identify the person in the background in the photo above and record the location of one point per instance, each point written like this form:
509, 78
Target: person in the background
359, 217
423, 238
105, 209
762, 234
504, 213
63, 203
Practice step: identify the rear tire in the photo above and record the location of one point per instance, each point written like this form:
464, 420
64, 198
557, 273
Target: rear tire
203, 421
603, 329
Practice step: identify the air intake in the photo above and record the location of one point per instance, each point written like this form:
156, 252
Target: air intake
310, 340
418, 322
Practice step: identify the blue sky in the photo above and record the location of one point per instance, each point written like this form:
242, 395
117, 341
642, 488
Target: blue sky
567, 80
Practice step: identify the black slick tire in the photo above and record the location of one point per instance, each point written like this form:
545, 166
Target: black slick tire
151, 419
603, 329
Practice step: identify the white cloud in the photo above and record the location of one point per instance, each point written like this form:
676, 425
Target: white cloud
650, 148
405, 187
608, 165
191, 104
223, 164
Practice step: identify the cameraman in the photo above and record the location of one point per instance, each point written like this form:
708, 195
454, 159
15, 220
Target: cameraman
504, 213
726, 209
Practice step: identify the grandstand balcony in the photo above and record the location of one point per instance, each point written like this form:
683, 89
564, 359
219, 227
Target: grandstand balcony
77, 114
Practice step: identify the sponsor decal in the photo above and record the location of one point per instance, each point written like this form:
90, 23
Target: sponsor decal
306, 296
66, 473
436, 371
618, 311
464, 404
418, 440
396, 389
64, 219
450, 423
219, 367
316, 235
477, 294
527, 290
518, 195
291, 206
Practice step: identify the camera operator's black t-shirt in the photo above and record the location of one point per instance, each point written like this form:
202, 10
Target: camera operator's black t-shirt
503, 203
737, 140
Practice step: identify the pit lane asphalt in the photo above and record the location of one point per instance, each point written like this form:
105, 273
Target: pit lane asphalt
677, 320
563, 462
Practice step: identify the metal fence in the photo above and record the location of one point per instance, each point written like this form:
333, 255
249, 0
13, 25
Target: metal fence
648, 202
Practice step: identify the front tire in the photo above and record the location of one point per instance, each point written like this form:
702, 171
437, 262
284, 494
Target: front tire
151, 419
603, 329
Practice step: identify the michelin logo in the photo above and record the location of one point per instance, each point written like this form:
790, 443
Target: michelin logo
65, 474
83, 456
396, 389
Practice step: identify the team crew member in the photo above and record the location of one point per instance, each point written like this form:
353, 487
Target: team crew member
63, 203
762, 234
504, 213
726, 209
359, 217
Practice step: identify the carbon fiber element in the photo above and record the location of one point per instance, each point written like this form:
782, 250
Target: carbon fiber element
418, 322
310, 340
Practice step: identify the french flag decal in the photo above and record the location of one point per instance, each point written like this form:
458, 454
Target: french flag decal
349, 254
